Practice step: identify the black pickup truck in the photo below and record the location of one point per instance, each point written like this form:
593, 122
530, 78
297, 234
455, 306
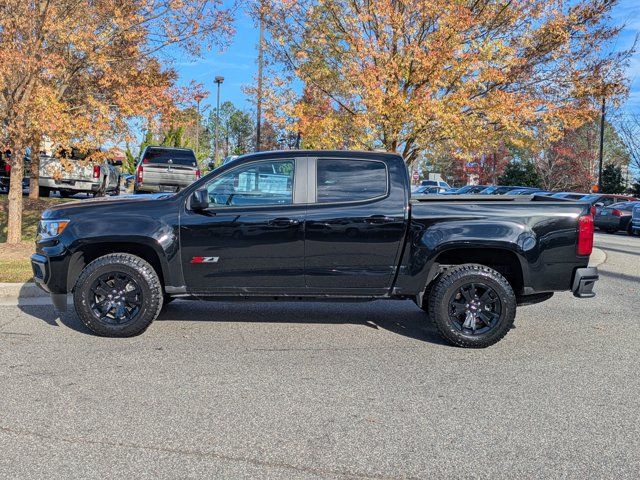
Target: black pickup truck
322, 225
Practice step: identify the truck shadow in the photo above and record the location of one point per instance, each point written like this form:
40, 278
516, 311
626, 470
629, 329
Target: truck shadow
398, 317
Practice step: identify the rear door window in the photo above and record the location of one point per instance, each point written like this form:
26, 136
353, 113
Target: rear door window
166, 156
350, 180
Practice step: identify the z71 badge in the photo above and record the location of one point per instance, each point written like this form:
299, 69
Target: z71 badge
205, 259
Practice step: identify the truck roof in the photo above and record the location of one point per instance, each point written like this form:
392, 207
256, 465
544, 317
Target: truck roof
355, 154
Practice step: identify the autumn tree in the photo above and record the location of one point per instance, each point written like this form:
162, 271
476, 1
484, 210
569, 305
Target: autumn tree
78, 71
571, 162
442, 77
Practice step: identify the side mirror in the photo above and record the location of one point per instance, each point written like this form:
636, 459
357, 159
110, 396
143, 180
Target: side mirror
599, 204
200, 199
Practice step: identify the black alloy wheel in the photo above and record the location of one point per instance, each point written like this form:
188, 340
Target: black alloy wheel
471, 305
475, 308
117, 298
118, 295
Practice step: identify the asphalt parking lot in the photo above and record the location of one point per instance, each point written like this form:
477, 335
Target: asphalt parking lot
250, 390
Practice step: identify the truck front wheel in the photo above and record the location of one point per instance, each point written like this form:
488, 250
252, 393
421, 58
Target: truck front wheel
472, 305
118, 295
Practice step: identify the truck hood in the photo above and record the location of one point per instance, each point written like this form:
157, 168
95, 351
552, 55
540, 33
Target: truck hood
111, 203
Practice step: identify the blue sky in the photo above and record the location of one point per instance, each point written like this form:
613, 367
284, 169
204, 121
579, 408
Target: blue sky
237, 63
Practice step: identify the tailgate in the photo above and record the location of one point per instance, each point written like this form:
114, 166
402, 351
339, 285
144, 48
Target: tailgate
65, 169
169, 175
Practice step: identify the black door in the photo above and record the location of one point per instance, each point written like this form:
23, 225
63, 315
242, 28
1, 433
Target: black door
354, 228
251, 238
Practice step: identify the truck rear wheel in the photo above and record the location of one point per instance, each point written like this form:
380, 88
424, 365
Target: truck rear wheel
118, 295
472, 305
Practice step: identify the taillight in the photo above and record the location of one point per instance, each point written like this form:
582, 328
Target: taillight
585, 235
616, 213
96, 171
139, 174
7, 168
594, 210
197, 174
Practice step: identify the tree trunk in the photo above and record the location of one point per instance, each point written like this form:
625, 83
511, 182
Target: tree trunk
34, 171
14, 223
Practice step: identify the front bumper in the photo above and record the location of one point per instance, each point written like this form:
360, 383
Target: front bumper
584, 281
41, 276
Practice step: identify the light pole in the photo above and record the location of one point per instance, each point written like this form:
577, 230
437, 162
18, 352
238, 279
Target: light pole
259, 93
601, 152
199, 98
218, 81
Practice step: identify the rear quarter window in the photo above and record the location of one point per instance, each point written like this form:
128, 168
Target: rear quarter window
350, 180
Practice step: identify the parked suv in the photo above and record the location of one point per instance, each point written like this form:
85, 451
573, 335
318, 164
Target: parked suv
165, 169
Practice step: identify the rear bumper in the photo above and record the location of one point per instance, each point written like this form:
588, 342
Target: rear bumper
75, 184
159, 188
584, 281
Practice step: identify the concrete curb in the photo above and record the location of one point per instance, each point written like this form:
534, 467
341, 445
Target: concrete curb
598, 257
9, 291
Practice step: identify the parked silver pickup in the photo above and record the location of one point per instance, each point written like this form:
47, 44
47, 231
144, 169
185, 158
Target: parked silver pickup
73, 173
165, 169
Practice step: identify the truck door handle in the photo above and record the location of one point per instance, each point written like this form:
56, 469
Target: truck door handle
379, 219
284, 222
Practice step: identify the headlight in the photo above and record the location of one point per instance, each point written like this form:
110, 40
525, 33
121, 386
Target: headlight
51, 228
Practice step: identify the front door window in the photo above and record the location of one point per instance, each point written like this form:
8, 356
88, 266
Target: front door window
256, 184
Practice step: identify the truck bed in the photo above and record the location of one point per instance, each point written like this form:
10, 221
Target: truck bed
487, 198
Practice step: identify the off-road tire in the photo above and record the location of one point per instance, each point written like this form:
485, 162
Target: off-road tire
136, 268
118, 189
445, 286
102, 189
